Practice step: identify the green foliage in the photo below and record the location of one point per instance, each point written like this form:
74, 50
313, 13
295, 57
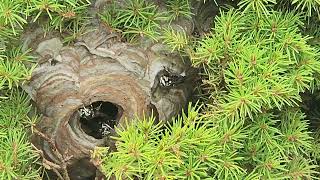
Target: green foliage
10, 15
13, 67
276, 64
310, 6
185, 149
65, 16
135, 18
138, 18
200, 147
176, 9
257, 62
18, 158
266, 64
259, 6
176, 40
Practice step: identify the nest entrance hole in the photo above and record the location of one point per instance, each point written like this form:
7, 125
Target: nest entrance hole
99, 118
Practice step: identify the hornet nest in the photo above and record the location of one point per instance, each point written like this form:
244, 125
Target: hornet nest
86, 89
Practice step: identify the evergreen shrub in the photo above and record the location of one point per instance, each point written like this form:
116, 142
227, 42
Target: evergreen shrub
257, 117
258, 62
18, 157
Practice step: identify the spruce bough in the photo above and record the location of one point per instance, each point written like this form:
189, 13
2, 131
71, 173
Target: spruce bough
256, 62
18, 158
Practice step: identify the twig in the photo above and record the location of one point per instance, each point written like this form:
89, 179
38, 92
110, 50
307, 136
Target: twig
48, 164
43, 136
62, 159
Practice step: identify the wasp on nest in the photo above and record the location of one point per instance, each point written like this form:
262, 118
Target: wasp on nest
99, 119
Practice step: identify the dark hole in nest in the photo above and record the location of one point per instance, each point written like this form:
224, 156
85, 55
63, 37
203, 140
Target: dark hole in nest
99, 118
